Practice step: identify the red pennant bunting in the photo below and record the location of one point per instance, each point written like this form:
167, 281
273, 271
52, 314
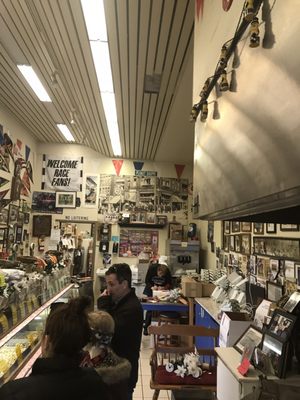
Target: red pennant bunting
179, 170
118, 165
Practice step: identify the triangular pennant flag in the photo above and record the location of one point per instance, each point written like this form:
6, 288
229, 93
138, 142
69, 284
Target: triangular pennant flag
27, 152
138, 165
3, 181
3, 194
25, 190
179, 169
118, 165
4, 203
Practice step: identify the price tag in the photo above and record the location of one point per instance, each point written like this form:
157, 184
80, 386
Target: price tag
4, 322
184, 244
14, 314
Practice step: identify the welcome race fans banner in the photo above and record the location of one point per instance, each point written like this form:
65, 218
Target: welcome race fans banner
62, 173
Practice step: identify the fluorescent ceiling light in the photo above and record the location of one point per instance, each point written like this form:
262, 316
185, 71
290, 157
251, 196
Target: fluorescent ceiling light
66, 132
34, 82
94, 15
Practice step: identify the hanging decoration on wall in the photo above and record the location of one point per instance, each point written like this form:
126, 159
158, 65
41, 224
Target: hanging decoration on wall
127, 193
91, 190
3, 181
248, 17
118, 165
179, 170
5, 151
62, 173
138, 165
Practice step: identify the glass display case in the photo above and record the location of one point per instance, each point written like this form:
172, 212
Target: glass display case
20, 346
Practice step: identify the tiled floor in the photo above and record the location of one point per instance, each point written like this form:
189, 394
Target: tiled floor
142, 390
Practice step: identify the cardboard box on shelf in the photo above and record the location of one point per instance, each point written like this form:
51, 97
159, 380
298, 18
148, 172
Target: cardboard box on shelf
232, 326
193, 288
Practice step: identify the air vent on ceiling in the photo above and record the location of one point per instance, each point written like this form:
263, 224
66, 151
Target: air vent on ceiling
152, 83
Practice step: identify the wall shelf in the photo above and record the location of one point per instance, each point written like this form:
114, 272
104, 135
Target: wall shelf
140, 225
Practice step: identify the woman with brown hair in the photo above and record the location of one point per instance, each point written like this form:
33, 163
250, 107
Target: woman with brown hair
57, 374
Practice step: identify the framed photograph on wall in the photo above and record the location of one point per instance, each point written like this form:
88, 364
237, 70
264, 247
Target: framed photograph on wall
91, 190
251, 335
226, 227
245, 240
281, 324
289, 227
226, 242
65, 199
246, 227
4, 216
258, 228
277, 247
235, 226
271, 228
231, 242
237, 243
13, 214
289, 269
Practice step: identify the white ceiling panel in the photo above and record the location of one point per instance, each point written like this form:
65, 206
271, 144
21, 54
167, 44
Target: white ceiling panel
146, 37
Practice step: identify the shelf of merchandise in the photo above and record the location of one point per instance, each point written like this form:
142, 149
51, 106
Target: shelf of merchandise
26, 359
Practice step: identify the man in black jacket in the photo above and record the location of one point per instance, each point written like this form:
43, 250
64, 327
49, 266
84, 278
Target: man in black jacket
120, 300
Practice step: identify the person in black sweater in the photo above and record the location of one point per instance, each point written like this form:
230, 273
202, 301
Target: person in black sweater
121, 302
57, 375
158, 277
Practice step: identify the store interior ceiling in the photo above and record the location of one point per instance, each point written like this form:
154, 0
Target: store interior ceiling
151, 50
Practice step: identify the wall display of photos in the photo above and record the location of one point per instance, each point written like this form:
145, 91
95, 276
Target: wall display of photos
128, 193
276, 246
45, 202
135, 241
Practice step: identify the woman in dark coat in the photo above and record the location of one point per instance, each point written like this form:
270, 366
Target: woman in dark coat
57, 375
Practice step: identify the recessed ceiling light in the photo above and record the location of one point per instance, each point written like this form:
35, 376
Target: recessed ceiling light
34, 82
66, 132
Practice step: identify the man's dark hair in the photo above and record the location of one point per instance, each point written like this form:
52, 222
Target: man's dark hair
122, 271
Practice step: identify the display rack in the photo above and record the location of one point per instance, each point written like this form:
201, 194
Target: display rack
22, 342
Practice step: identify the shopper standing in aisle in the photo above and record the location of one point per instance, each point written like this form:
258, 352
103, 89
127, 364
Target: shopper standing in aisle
120, 300
113, 370
57, 375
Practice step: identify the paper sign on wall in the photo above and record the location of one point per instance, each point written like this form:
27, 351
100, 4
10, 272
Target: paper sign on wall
62, 173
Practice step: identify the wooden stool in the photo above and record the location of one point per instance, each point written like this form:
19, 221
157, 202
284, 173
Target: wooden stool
169, 317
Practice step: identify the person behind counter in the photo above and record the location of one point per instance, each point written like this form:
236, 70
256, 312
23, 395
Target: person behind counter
158, 277
121, 302
58, 375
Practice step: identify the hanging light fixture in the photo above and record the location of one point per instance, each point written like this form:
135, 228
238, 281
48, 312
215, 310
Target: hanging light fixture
224, 83
249, 10
203, 92
254, 33
223, 59
195, 112
204, 111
